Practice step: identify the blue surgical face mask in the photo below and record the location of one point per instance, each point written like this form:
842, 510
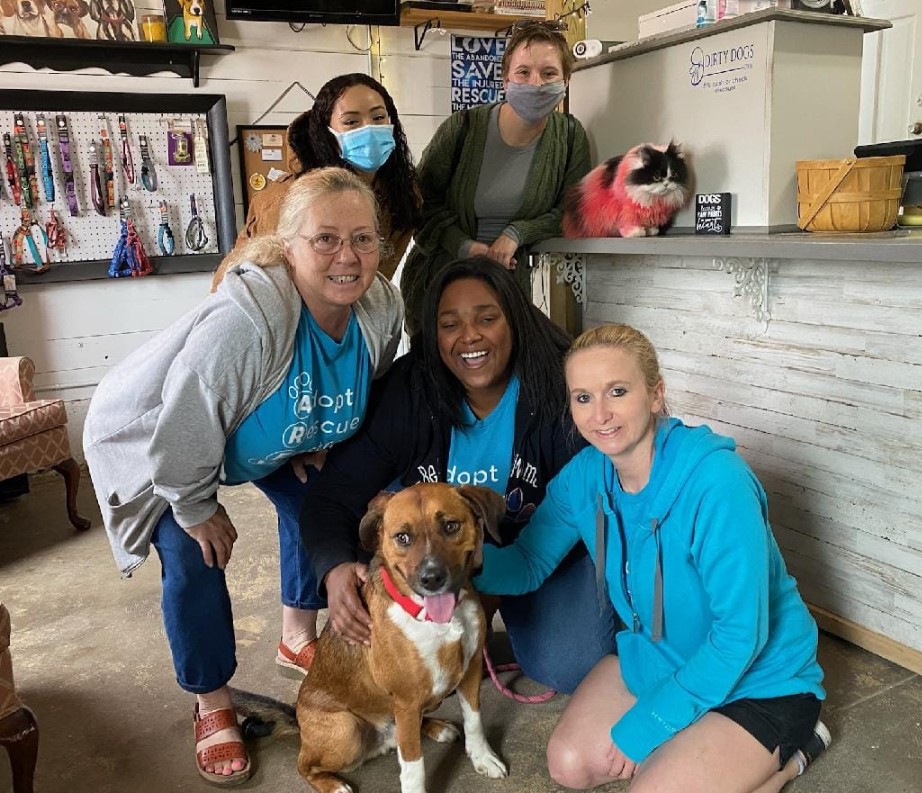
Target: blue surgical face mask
534, 103
366, 148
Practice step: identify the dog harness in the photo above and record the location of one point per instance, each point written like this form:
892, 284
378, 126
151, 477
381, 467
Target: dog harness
127, 159
55, 234
12, 175
129, 257
11, 297
148, 174
196, 239
165, 240
45, 155
70, 188
30, 243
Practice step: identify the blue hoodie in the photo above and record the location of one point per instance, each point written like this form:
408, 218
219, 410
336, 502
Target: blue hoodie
693, 570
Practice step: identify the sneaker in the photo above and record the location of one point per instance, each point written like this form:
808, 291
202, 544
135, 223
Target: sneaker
816, 744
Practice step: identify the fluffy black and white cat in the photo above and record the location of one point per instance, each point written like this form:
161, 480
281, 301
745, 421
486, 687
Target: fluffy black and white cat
633, 195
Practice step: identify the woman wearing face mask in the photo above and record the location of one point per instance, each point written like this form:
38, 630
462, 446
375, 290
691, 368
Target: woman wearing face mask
353, 124
493, 177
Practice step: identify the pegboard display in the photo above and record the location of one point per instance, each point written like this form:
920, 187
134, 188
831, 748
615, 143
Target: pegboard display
90, 235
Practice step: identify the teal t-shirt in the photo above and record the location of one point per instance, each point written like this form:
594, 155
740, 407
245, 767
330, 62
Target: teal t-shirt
481, 450
321, 401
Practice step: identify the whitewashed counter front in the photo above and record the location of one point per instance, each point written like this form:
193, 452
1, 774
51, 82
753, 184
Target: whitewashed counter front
807, 349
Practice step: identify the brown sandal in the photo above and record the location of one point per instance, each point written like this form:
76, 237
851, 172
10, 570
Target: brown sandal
300, 662
208, 725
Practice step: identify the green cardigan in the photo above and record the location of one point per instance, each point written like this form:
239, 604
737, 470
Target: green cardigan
448, 217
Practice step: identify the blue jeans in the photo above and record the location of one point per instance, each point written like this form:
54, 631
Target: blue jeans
558, 632
196, 605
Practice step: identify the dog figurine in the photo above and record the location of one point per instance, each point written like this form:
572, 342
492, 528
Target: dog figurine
113, 18
69, 14
31, 18
427, 637
193, 16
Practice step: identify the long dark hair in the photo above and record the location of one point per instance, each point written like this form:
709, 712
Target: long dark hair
315, 147
538, 345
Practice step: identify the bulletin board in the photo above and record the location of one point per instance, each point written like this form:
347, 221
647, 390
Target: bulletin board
264, 156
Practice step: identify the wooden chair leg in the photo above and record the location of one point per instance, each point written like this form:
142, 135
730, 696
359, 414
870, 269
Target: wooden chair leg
19, 736
71, 473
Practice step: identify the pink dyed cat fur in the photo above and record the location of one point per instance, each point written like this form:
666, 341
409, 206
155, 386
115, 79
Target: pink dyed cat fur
650, 185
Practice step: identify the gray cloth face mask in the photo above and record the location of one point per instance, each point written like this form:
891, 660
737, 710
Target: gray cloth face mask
534, 103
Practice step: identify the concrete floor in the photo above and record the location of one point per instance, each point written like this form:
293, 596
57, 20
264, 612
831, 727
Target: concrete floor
91, 659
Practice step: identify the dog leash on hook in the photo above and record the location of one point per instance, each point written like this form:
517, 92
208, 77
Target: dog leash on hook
12, 174
70, 188
99, 200
129, 257
127, 159
196, 239
22, 153
11, 297
108, 166
165, 240
45, 155
148, 174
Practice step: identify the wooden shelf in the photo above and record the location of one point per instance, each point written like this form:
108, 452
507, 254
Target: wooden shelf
425, 19
137, 58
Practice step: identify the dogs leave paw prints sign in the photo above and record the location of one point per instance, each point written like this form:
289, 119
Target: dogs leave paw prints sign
191, 22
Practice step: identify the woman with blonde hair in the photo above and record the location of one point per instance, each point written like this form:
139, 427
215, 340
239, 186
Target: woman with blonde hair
716, 686
271, 370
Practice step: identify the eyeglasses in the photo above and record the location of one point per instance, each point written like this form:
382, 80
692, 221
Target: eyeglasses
326, 243
556, 25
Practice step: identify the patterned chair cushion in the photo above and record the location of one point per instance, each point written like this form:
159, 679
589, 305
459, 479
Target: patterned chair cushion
37, 451
25, 420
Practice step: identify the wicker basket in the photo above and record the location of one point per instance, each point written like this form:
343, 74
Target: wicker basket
855, 194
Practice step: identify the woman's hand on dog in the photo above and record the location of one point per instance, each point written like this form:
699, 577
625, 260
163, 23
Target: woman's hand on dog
348, 615
216, 537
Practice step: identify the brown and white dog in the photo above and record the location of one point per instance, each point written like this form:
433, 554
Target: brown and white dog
193, 18
69, 14
30, 18
427, 637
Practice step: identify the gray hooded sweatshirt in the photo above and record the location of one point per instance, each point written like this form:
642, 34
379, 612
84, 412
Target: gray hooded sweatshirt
158, 422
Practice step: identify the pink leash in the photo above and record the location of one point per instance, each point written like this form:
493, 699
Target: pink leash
508, 692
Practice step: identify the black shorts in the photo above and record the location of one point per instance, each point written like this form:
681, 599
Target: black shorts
783, 723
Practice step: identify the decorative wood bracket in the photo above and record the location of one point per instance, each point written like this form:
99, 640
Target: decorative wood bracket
420, 31
751, 281
571, 269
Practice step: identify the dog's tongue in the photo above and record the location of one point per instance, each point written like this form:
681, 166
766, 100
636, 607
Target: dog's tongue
440, 607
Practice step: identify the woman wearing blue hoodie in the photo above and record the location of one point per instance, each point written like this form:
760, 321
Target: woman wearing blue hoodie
716, 686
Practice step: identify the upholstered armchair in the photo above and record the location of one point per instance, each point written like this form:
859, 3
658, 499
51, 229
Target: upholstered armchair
33, 432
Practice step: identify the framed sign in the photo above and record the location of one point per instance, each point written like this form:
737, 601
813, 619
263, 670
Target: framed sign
191, 22
263, 158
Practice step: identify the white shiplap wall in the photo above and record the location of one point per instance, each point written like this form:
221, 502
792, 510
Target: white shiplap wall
825, 404
76, 331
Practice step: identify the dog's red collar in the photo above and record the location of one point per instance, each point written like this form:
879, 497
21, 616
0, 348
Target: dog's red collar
409, 605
